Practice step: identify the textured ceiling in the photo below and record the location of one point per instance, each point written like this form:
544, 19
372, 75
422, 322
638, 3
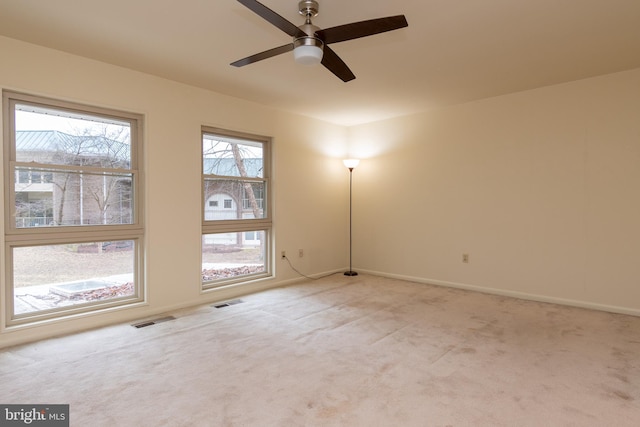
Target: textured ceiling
453, 51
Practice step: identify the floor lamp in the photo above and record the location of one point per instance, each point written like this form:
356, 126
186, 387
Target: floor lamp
351, 164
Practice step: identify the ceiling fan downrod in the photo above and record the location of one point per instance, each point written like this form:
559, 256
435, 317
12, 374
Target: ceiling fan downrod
309, 9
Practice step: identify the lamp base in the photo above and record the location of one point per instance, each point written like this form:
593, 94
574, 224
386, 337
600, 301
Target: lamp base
350, 273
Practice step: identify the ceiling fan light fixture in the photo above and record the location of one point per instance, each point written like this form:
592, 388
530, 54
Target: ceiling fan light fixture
308, 50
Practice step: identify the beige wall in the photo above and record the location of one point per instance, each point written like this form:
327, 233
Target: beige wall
540, 188
309, 179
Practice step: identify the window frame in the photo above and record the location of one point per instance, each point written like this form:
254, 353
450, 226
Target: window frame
60, 234
242, 225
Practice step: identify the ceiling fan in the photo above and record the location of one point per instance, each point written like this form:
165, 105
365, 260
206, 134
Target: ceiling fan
310, 43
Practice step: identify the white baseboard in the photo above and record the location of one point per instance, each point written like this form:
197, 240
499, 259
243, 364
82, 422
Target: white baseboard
512, 294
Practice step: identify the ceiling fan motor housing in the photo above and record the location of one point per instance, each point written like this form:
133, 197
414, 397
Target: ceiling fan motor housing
308, 8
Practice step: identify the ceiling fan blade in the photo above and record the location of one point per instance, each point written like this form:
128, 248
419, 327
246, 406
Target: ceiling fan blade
272, 17
356, 30
263, 55
333, 63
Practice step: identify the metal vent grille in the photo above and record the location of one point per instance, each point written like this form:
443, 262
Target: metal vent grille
227, 303
146, 323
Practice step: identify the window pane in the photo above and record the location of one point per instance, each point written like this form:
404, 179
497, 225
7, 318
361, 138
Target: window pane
226, 199
230, 255
73, 199
228, 157
24, 177
56, 276
53, 136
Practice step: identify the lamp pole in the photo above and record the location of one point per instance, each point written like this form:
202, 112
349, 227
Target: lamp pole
351, 165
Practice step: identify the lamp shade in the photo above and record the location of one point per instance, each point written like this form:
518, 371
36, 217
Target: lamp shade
308, 51
351, 163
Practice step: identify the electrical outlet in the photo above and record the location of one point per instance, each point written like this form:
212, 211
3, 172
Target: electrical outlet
300, 253
283, 255
465, 258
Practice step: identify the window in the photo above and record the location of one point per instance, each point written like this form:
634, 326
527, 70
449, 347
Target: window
73, 212
236, 227
255, 195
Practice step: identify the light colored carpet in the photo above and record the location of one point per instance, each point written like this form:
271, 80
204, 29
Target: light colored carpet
341, 351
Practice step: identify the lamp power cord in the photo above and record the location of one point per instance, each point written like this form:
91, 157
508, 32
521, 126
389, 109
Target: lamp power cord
304, 275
